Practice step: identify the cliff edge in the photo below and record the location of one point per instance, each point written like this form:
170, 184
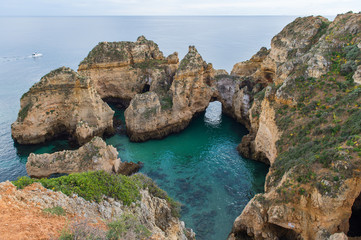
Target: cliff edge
306, 125
62, 103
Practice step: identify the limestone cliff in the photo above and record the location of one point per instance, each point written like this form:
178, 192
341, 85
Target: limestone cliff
148, 214
94, 155
157, 114
62, 102
120, 70
306, 126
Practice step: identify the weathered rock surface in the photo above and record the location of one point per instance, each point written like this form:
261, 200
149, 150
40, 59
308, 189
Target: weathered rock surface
120, 70
156, 114
153, 212
94, 155
357, 75
62, 102
303, 49
264, 218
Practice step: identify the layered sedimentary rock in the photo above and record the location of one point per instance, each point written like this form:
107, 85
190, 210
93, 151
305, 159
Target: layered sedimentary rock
93, 156
313, 187
120, 70
156, 114
62, 103
152, 212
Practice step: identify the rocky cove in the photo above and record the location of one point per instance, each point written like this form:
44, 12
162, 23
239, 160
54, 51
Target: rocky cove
303, 93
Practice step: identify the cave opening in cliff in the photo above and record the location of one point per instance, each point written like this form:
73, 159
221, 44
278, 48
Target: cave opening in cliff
146, 88
284, 233
213, 115
355, 219
268, 76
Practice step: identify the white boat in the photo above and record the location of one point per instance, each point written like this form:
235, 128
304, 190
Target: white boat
36, 54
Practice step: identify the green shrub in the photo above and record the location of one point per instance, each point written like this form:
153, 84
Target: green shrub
148, 183
23, 113
93, 185
127, 227
59, 211
80, 230
348, 67
352, 52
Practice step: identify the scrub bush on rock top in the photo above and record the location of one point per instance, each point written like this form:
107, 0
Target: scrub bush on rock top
310, 117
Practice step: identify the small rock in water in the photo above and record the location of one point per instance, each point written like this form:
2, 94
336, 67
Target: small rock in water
128, 168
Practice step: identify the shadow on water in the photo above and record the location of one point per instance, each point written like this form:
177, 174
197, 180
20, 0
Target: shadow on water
23, 151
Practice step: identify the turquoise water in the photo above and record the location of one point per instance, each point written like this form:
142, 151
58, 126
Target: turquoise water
199, 166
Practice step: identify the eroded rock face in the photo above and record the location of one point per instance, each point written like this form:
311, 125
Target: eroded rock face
153, 212
307, 218
93, 156
156, 114
268, 133
62, 102
254, 68
120, 70
302, 50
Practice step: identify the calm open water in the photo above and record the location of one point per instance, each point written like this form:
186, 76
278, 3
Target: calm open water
199, 166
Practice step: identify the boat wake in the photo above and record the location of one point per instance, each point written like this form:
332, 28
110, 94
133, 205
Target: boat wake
17, 58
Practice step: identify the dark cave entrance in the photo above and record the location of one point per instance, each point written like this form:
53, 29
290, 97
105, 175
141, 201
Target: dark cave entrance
355, 219
146, 88
268, 75
284, 233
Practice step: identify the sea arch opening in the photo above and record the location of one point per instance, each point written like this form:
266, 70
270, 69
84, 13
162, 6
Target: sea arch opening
213, 113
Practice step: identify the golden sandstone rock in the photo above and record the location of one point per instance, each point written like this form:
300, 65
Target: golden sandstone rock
62, 102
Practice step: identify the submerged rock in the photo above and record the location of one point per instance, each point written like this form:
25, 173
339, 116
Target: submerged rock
93, 156
61, 103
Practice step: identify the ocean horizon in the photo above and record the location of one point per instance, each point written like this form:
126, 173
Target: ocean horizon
199, 166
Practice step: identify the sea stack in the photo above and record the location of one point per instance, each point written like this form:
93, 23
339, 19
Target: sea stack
62, 103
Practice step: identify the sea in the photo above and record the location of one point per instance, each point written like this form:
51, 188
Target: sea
200, 166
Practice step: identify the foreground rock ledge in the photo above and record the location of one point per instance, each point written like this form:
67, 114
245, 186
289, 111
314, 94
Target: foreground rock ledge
153, 212
93, 156
62, 102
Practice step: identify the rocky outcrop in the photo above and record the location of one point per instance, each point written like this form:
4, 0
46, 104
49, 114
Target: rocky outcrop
152, 212
357, 75
314, 216
62, 102
254, 68
301, 199
289, 48
120, 70
157, 114
94, 155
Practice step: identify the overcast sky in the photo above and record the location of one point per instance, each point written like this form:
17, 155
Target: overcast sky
176, 7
